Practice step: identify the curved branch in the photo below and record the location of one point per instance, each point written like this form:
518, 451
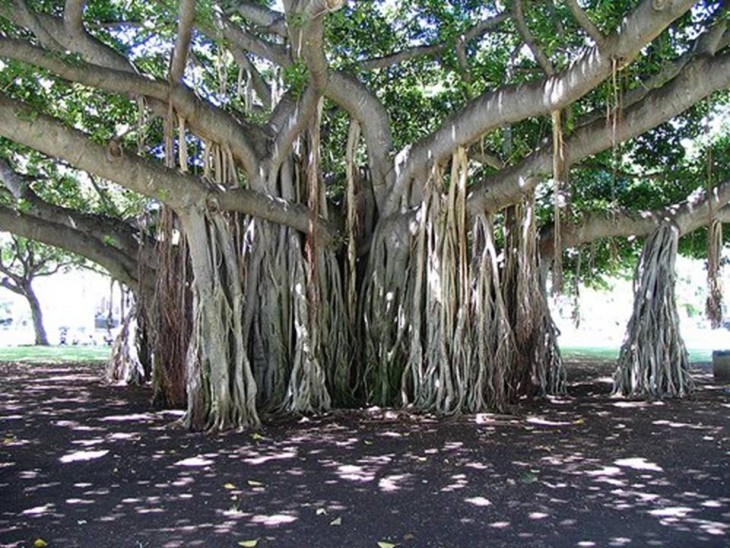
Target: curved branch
706, 43
529, 39
205, 119
366, 108
514, 103
115, 232
119, 264
53, 34
276, 210
307, 42
689, 215
700, 78
274, 53
72, 15
178, 190
267, 20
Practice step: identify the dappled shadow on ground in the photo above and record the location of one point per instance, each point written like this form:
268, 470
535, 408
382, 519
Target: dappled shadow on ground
82, 464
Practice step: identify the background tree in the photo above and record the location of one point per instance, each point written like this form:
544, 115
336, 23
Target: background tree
23, 261
350, 194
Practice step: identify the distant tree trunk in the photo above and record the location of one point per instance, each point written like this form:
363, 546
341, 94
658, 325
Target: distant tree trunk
41, 338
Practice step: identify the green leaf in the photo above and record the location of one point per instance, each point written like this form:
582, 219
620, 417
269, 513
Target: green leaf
248, 543
336, 521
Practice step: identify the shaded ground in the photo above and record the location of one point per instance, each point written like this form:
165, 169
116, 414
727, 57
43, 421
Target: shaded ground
82, 464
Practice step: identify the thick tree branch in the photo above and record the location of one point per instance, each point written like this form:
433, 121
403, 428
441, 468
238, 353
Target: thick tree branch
53, 34
273, 209
700, 78
119, 264
689, 215
514, 103
178, 190
182, 43
208, 121
307, 42
114, 232
364, 106
265, 19
707, 43
274, 53
73, 16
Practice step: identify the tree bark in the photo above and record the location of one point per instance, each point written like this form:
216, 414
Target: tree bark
41, 338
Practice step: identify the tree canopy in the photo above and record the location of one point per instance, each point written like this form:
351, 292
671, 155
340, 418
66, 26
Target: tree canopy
369, 192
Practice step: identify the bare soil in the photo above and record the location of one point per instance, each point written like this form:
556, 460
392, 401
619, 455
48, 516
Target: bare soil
84, 464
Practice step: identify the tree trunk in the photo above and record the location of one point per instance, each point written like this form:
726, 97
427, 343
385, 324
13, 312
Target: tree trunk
653, 361
41, 338
169, 314
446, 327
221, 387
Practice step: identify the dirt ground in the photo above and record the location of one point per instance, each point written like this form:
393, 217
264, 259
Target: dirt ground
83, 464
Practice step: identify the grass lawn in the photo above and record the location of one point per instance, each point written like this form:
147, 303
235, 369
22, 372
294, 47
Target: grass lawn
54, 354
70, 354
611, 353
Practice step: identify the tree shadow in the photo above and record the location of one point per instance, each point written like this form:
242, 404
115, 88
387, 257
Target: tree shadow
85, 464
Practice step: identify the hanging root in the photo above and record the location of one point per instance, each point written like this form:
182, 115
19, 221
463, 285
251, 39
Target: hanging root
537, 368
435, 300
713, 306
493, 338
221, 387
559, 173
439, 364
125, 364
653, 361
170, 313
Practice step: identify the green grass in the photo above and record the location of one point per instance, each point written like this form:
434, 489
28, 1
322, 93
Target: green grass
54, 354
611, 353
71, 354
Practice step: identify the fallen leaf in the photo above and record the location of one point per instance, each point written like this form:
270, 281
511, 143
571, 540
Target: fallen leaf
256, 436
39, 543
254, 483
229, 486
321, 511
383, 544
248, 543
579, 421
367, 442
336, 521
528, 477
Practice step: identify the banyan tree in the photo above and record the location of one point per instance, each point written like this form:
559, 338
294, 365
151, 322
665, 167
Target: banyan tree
345, 202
